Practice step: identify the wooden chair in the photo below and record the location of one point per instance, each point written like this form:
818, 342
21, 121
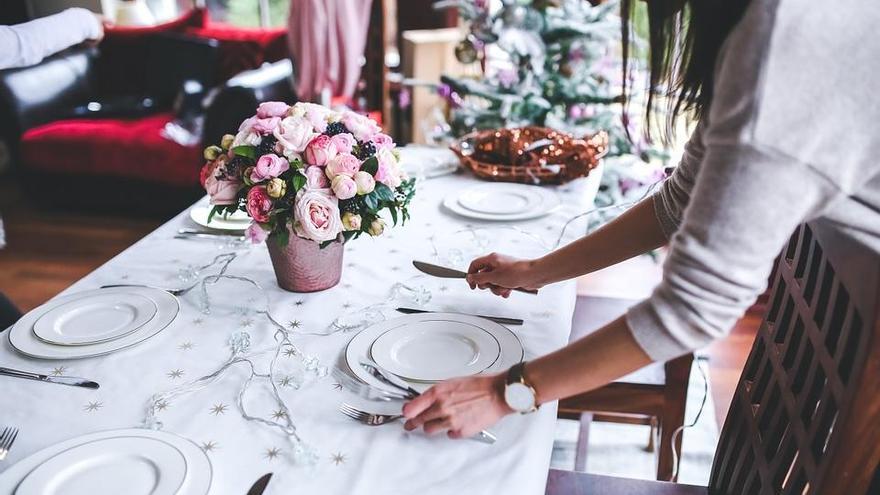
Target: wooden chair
655, 395
804, 417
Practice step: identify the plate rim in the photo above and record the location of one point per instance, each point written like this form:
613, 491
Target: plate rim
429, 380
450, 202
23, 326
62, 452
527, 194
204, 223
155, 309
365, 377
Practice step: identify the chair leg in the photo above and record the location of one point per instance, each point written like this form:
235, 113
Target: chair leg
652, 436
677, 377
580, 455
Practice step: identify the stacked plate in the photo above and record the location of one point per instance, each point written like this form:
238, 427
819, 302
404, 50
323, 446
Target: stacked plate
234, 222
93, 323
430, 347
502, 201
116, 461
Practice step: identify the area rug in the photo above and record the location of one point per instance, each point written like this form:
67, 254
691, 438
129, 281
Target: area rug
620, 449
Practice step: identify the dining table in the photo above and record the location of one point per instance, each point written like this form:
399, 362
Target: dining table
349, 457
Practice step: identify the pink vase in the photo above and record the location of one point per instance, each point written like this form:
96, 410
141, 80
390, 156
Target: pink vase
302, 266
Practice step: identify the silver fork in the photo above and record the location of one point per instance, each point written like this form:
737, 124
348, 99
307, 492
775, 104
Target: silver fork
6, 440
372, 419
366, 391
173, 292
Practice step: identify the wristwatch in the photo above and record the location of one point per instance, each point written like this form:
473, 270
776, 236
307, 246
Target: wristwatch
518, 393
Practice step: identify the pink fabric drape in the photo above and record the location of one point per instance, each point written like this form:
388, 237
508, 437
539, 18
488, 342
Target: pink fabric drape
327, 40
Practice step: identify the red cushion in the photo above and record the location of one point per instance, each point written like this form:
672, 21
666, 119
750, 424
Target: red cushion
193, 18
243, 49
132, 149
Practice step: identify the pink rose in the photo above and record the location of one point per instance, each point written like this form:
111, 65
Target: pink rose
246, 134
268, 167
255, 233
294, 134
315, 178
266, 126
272, 109
363, 128
343, 142
388, 172
221, 191
342, 164
259, 204
320, 150
344, 187
383, 142
317, 215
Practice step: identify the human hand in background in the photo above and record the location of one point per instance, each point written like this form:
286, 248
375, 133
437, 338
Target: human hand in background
501, 274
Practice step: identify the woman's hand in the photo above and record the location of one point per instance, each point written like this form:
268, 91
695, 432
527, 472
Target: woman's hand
461, 407
501, 274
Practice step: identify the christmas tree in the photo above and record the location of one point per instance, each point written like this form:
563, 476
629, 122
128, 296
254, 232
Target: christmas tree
552, 63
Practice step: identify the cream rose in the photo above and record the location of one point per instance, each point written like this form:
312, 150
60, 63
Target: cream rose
317, 215
294, 135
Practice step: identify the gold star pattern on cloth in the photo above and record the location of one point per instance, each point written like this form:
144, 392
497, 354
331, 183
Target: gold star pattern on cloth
175, 374
337, 386
285, 381
209, 446
272, 453
246, 323
162, 405
279, 414
294, 324
185, 346
300, 302
59, 371
198, 321
338, 458
290, 351
93, 406
219, 409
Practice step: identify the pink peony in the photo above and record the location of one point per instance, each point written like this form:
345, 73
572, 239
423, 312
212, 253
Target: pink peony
272, 109
268, 167
221, 191
259, 204
255, 233
294, 134
266, 126
344, 187
315, 178
365, 182
246, 134
317, 215
320, 150
383, 142
363, 128
343, 142
389, 172
343, 164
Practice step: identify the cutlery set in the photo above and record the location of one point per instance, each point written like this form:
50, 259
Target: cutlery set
61, 380
7, 438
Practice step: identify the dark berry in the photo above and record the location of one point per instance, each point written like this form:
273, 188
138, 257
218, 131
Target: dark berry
267, 145
335, 128
353, 205
236, 166
365, 150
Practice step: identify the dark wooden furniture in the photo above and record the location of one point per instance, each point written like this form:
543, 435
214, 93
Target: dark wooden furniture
655, 395
804, 418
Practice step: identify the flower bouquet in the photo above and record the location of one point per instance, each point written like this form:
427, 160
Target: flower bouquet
311, 179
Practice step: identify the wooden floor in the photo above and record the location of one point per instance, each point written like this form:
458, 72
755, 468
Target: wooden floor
49, 250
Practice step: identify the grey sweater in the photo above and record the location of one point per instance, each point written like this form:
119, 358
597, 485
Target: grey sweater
792, 135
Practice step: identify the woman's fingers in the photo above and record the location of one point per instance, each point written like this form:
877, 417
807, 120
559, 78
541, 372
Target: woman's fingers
432, 413
437, 425
418, 405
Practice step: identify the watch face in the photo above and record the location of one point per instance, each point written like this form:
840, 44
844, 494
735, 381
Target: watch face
519, 397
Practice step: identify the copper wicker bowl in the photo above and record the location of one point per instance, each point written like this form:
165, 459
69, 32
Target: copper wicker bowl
531, 155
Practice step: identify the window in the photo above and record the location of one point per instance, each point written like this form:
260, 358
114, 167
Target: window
249, 13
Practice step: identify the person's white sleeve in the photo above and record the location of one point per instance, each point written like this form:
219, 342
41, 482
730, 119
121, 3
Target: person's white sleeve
673, 196
742, 210
29, 43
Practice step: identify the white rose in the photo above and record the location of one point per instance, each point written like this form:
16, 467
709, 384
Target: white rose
317, 215
294, 134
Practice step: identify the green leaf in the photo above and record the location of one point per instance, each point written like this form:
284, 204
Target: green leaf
371, 165
299, 181
393, 211
282, 237
215, 210
326, 243
383, 192
371, 201
246, 151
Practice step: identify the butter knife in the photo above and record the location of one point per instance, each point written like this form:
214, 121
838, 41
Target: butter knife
61, 380
497, 319
444, 272
260, 485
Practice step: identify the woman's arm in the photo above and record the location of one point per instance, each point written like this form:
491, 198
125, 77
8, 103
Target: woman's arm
29, 43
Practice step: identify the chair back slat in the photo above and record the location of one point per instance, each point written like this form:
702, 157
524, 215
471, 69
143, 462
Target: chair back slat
805, 417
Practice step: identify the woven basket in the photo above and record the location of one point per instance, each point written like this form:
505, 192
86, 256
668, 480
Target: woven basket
530, 155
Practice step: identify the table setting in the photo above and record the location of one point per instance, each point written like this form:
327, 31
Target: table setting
198, 361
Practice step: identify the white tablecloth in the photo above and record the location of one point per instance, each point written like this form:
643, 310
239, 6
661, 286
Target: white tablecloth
354, 459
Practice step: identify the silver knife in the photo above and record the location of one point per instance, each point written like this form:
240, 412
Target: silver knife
61, 380
497, 319
443, 272
260, 485
218, 233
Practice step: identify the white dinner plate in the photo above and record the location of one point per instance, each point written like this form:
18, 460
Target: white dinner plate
197, 480
435, 350
94, 319
359, 346
133, 465
23, 340
502, 201
238, 221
